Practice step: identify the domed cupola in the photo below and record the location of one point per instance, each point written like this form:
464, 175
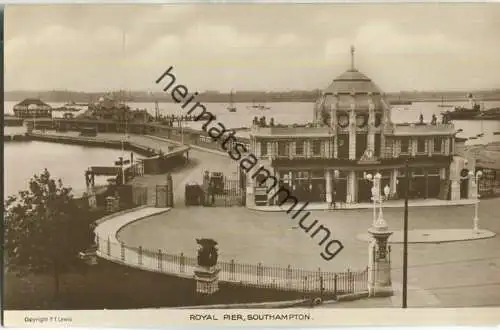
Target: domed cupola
350, 92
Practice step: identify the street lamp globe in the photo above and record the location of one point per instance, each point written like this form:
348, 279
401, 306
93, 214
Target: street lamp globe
369, 176
479, 174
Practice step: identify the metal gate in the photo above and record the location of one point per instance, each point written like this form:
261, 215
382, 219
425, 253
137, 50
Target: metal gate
139, 195
222, 191
164, 196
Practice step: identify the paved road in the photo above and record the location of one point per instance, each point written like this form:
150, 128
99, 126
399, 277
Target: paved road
446, 275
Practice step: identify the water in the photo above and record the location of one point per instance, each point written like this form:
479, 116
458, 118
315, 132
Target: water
69, 162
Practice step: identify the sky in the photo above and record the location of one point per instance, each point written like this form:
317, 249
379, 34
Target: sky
97, 48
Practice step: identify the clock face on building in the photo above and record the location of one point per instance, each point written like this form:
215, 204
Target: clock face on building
343, 120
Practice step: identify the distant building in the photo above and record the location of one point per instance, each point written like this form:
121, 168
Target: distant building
32, 108
109, 109
353, 135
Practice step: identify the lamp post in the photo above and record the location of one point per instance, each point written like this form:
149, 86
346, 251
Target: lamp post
380, 220
475, 221
375, 180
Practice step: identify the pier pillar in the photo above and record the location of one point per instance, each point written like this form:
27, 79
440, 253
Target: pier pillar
351, 189
328, 179
394, 181
352, 133
455, 190
371, 125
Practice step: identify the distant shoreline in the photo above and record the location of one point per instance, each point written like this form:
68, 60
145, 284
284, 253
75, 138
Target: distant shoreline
243, 96
497, 99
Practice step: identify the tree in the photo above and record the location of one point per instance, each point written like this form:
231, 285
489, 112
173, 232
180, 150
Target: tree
45, 228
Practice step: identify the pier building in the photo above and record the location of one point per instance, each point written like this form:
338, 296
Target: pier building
32, 108
353, 135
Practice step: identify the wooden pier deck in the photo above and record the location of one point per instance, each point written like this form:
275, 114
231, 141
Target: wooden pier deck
16, 138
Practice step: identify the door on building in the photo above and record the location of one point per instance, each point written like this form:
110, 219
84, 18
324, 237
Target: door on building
318, 187
339, 187
302, 185
433, 183
364, 188
385, 180
418, 187
401, 186
285, 182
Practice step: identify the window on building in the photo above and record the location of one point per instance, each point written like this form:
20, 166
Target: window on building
282, 148
420, 145
316, 147
299, 147
263, 148
438, 142
405, 145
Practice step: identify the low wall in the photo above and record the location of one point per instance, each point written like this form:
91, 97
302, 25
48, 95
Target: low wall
92, 142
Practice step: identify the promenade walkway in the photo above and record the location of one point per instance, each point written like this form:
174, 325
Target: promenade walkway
357, 206
110, 248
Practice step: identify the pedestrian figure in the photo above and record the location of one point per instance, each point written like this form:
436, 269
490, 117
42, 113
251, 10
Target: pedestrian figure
334, 202
421, 118
434, 119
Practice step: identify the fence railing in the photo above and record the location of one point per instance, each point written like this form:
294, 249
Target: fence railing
275, 277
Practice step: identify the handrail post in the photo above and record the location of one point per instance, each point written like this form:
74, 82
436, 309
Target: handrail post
122, 250
139, 256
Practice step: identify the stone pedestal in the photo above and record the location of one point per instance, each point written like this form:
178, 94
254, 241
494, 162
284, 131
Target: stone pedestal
207, 279
250, 191
379, 267
455, 190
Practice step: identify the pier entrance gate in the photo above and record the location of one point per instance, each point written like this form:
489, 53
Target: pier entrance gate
164, 194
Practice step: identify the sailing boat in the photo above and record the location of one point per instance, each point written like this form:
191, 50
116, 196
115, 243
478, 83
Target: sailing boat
442, 105
231, 107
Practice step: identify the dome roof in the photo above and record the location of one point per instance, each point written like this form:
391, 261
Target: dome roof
352, 81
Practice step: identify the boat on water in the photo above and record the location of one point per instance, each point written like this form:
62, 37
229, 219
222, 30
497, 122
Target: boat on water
259, 106
490, 114
231, 107
400, 102
464, 113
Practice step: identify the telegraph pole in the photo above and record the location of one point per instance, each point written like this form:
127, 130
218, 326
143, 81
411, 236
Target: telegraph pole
405, 237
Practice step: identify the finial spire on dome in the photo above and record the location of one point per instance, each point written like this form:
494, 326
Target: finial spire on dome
352, 57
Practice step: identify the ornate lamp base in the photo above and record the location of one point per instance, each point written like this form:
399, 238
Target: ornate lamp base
207, 279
